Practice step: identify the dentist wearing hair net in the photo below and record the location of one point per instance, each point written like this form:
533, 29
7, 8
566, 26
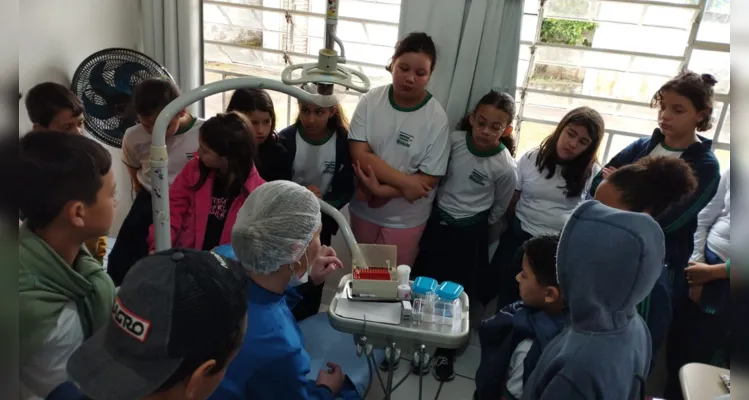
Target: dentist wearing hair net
276, 238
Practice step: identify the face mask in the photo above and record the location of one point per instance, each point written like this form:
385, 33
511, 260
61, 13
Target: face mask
297, 281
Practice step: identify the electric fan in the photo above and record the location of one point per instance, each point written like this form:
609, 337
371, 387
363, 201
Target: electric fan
104, 82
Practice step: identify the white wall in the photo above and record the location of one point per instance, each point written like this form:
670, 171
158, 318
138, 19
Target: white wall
56, 36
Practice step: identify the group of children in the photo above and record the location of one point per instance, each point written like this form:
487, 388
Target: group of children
569, 275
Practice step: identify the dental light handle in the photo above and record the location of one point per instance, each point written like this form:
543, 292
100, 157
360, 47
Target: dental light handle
356, 255
160, 159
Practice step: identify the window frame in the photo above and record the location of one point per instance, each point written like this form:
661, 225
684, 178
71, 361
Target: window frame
287, 54
684, 59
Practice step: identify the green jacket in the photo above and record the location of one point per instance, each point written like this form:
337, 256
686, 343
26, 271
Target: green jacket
46, 283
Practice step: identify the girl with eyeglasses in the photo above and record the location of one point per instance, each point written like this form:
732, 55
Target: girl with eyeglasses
551, 181
474, 194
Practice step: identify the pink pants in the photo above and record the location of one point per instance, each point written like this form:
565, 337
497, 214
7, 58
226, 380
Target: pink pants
407, 240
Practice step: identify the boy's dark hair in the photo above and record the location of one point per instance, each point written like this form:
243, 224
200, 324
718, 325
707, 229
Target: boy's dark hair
152, 95
45, 100
542, 257
575, 172
55, 168
654, 183
503, 102
697, 88
230, 135
415, 42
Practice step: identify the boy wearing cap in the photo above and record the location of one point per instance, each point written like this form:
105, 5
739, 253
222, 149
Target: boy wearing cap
64, 294
178, 320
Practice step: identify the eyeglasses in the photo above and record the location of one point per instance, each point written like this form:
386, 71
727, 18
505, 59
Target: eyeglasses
492, 130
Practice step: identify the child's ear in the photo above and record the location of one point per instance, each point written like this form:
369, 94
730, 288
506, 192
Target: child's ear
194, 387
75, 211
552, 295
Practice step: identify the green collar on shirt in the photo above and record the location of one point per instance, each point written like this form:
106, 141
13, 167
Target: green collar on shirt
665, 146
186, 127
409, 109
314, 142
482, 153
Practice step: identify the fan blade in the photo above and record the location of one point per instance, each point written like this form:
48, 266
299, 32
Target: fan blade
100, 111
98, 83
123, 75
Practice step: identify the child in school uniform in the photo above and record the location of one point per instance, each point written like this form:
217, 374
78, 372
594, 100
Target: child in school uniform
209, 191
475, 193
708, 276
64, 294
318, 145
513, 339
400, 138
685, 106
274, 161
149, 98
53, 107
607, 262
552, 179
651, 185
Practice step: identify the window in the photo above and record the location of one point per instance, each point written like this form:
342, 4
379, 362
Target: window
612, 55
262, 37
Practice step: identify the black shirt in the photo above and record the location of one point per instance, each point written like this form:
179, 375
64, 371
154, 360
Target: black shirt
221, 201
274, 161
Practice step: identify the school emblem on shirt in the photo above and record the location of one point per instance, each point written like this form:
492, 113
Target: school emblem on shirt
329, 167
478, 177
404, 139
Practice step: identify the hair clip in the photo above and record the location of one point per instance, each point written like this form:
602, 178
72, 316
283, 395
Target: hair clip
709, 79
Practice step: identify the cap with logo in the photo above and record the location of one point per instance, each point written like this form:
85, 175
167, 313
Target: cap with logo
172, 305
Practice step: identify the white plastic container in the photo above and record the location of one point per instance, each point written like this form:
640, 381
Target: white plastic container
404, 274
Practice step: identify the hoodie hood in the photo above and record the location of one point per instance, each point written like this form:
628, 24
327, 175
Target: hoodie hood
608, 261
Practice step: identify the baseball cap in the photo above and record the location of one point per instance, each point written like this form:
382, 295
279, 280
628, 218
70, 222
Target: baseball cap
173, 305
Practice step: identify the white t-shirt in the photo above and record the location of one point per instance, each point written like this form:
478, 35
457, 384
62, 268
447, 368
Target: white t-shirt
314, 161
543, 208
409, 140
714, 223
136, 147
515, 373
662, 150
47, 367
476, 181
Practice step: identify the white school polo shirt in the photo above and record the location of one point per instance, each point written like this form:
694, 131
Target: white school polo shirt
136, 147
476, 181
314, 161
409, 140
543, 208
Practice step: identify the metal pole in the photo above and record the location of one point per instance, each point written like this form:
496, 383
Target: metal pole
331, 23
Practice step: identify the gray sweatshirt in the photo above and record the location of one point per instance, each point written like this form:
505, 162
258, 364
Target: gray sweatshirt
607, 262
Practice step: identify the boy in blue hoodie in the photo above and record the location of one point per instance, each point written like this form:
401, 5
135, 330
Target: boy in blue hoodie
513, 339
608, 262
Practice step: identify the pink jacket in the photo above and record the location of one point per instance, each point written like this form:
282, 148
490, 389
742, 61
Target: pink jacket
188, 208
